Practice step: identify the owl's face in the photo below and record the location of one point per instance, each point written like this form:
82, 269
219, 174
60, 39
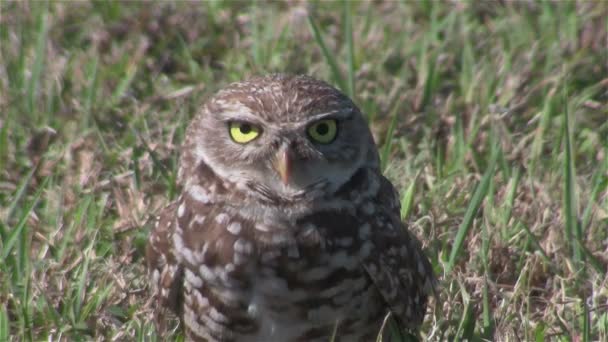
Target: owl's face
283, 136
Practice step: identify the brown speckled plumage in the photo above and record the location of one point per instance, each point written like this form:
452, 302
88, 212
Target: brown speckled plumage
241, 256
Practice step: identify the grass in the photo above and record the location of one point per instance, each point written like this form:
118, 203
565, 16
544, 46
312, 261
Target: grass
491, 119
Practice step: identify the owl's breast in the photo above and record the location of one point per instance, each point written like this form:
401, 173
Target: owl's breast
315, 281
304, 296
274, 279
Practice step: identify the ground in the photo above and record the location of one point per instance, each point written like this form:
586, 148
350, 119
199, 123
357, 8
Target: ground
491, 118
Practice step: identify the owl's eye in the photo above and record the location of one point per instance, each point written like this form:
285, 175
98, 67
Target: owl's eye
323, 131
243, 132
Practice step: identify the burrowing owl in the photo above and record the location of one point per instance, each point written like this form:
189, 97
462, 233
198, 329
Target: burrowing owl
285, 229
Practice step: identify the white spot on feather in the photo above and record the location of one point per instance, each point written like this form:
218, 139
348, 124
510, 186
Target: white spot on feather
194, 280
234, 227
198, 194
222, 218
243, 246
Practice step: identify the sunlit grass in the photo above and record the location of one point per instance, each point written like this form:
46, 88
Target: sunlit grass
491, 119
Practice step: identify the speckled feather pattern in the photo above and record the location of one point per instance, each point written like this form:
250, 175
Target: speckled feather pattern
235, 266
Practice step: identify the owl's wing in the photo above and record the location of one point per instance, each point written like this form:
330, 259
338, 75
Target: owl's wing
398, 267
166, 273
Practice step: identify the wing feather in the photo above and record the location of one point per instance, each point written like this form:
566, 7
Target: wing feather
399, 269
166, 273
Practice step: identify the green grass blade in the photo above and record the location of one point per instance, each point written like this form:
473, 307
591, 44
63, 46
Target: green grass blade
33, 86
407, 200
388, 141
4, 327
91, 91
80, 291
466, 326
600, 182
95, 301
20, 193
592, 260
428, 71
476, 201
17, 233
350, 49
510, 201
487, 321
460, 147
125, 82
571, 227
540, 132
78, 219
535, 242
586, 322
540, 333
4, 143
329, 57
26, 308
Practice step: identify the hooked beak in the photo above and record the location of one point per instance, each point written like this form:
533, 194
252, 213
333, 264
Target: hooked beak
282, 164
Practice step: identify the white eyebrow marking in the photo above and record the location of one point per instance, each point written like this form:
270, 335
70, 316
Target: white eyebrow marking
338, 114
244, 115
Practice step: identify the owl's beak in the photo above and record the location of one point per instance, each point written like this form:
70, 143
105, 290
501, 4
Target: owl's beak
283, 164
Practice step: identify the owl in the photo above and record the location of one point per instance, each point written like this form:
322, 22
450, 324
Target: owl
285, 228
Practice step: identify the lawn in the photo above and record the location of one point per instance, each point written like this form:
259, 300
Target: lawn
491, 119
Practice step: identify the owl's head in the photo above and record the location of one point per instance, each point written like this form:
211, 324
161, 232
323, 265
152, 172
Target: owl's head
282, 136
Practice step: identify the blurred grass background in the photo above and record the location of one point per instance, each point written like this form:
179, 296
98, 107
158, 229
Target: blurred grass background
491, 117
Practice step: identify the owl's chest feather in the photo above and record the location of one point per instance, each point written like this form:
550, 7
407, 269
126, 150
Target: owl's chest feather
290, 295
290, 282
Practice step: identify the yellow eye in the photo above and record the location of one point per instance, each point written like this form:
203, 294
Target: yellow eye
323, 131
243, 132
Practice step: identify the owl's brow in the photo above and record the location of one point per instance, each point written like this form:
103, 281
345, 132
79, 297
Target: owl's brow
242, 116
337, 114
